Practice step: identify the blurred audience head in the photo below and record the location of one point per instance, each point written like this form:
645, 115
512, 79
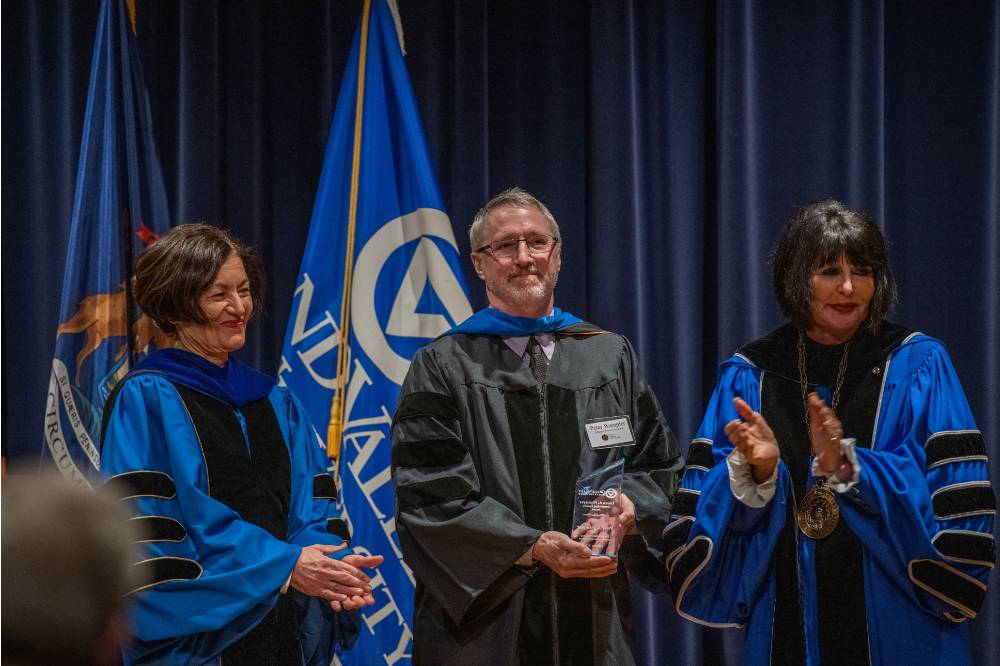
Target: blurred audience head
67, 566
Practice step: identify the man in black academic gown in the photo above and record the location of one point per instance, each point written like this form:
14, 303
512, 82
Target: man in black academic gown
497, 420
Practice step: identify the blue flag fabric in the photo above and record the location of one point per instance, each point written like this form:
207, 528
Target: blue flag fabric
406, 290
119, 206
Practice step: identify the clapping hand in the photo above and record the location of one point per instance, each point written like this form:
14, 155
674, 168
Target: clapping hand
825, 433
754, 439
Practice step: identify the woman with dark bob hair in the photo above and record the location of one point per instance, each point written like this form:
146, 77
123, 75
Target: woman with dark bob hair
836, 502
244, 558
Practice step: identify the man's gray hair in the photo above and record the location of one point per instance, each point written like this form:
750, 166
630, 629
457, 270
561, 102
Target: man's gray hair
512, 196
67, 564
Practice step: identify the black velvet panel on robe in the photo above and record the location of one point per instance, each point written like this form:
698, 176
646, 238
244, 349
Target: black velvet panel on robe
472, 415
552, 606
842, 619
251, 475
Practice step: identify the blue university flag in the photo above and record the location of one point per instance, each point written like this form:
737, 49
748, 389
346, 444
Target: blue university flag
380, 264
120, 205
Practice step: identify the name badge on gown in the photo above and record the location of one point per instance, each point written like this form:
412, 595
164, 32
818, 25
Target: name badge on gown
606, 433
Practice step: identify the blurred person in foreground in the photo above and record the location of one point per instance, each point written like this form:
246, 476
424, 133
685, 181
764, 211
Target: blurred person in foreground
67, 566
838, 501
245, 559
497, 419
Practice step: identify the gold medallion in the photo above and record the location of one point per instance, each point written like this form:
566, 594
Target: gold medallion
818, 512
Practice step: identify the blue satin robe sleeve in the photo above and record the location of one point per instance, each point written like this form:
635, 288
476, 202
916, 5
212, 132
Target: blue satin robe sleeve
217, 576
719, 568
312, 508
311, 515
923, 506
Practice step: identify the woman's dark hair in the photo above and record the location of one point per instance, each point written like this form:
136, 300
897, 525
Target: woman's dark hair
173, 272
820, 233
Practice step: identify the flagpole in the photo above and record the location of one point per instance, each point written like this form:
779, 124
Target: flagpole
126, 224
335, 429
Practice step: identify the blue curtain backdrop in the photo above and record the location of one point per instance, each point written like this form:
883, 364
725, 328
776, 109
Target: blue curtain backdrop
670, 139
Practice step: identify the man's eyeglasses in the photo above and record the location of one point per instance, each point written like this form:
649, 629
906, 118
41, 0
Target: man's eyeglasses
506, 248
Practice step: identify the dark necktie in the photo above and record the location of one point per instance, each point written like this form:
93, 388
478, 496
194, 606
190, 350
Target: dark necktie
536, 360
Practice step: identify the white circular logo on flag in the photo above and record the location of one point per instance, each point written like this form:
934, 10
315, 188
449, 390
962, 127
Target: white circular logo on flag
427, 265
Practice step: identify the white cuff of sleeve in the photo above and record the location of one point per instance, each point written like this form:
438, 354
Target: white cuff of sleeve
836, 485
288, 582
744, 488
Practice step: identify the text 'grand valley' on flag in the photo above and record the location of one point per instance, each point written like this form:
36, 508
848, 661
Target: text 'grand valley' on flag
380, 263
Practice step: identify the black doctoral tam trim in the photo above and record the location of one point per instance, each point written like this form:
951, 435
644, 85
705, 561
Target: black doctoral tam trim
159, 570
428, 493
954, 445
324, 487
962, 500
338, 527
145, 483
686, 564
961, 591
685, 502
428, 453
425, 403
159, 528
700, 454
967, 547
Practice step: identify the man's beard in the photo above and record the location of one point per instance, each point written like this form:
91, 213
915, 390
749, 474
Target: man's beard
528, 295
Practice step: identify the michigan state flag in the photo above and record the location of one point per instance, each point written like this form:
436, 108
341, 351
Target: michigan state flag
380, 277
119, 206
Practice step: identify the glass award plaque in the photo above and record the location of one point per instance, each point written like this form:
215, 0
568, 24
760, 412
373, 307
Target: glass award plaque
596, 508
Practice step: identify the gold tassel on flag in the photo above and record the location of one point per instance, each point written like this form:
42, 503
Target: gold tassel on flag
335, 430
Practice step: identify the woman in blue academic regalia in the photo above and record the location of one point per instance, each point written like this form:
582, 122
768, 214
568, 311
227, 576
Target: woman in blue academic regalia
244, 560
836, 502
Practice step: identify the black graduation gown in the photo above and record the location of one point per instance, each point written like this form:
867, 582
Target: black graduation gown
484, 460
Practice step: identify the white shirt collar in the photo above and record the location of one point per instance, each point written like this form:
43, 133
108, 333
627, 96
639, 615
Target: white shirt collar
519, 344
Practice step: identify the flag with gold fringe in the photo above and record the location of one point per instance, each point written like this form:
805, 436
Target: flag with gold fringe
380, 277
